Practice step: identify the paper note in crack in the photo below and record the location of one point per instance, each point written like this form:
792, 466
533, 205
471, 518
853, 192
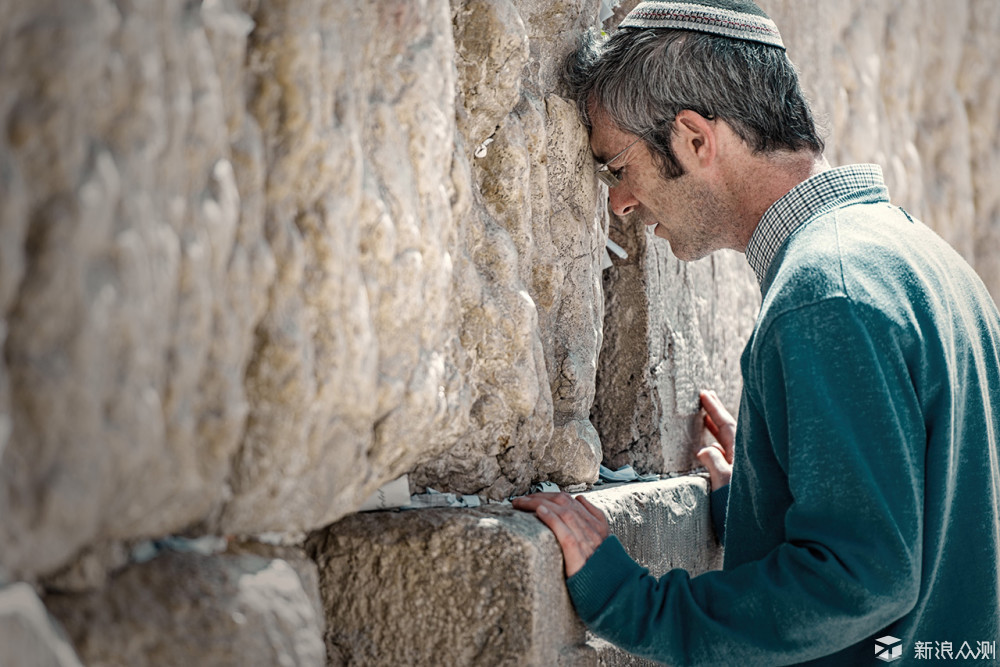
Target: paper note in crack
394, 494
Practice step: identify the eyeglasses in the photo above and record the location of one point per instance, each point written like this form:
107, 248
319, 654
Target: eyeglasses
611, 177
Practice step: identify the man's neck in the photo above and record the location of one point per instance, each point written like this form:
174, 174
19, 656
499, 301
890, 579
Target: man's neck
764, 179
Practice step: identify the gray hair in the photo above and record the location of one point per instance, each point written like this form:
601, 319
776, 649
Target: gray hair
642, 78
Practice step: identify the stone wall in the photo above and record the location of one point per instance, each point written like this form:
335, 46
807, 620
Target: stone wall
260, 257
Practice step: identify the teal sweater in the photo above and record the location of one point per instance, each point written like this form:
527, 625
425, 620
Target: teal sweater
865, 498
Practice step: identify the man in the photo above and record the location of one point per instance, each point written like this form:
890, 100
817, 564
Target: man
865, 483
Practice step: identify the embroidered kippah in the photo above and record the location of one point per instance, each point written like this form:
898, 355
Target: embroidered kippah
738, 19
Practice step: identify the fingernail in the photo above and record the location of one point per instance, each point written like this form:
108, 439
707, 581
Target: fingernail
542, 509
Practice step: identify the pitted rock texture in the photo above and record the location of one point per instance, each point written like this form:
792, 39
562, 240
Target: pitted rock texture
671, 329
190, 609
130, 282
251, 267
446, 587
401, 276
663, 525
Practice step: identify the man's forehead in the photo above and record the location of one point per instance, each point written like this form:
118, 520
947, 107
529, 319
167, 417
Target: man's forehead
606, 139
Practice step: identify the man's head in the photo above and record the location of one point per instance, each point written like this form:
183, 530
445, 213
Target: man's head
670, 56
690, 80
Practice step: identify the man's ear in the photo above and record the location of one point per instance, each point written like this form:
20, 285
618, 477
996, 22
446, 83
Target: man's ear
695, 139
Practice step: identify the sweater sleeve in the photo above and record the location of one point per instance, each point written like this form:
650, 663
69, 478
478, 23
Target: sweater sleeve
718, 502
845, 428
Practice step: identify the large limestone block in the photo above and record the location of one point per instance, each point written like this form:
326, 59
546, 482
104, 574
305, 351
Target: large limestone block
355, 105
535, 227
491, 45
445, 587
662, 525
130, 282
398, 276
671, 329
190, 609
486, 586
29, 636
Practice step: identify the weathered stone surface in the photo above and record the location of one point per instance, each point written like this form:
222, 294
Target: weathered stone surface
535, 230
446, 587
356, 109
190, 609
29, 637
486, 586
663, 525
251, 268
671, 329
611, 656
89, 571
130, 303
491, 48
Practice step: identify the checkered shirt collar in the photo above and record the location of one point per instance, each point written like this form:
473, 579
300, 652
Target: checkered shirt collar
853, 184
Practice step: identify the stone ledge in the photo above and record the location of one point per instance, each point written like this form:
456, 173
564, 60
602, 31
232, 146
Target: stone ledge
485, 586
663, 525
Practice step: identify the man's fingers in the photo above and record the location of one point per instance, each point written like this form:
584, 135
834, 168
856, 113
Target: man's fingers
584, 525
575, 553
719, 469
718, 413
719, 422
594, 511
578, 529
712, 456
531, 502
587, 528
712, 428
577, 513
554, 519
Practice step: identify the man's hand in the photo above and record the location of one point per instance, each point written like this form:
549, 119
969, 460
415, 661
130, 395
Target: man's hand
579, 527
718, 456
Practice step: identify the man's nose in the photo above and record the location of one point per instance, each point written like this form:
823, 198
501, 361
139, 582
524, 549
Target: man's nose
622, 200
